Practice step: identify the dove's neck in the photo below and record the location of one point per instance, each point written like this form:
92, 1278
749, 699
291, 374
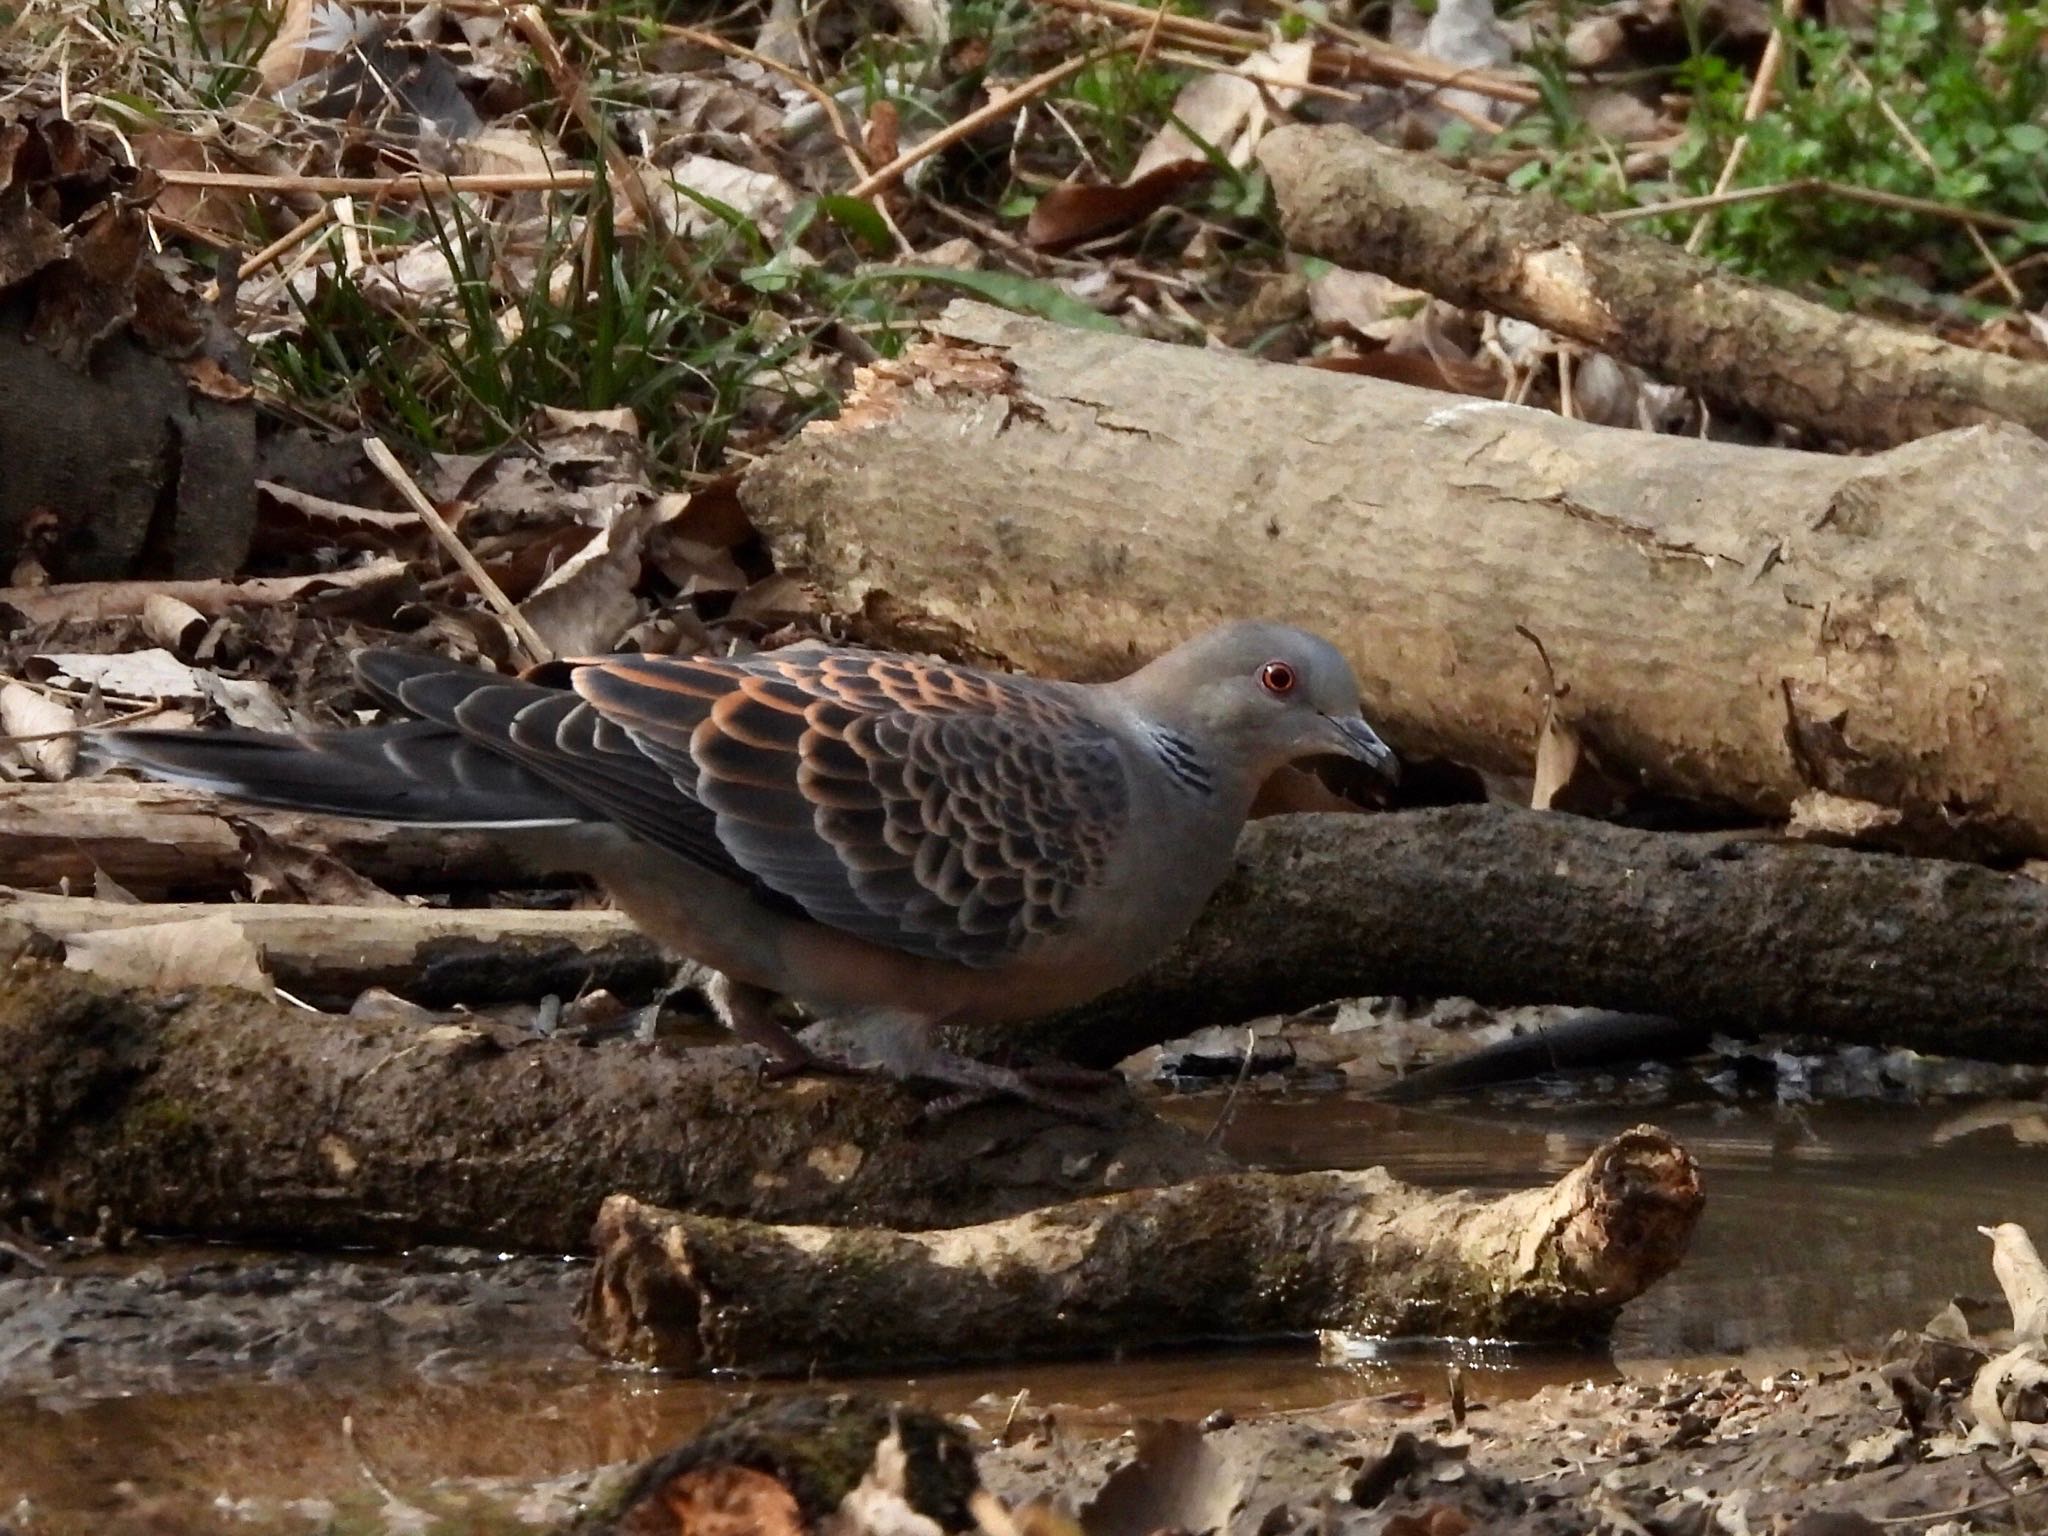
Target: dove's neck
1196, 771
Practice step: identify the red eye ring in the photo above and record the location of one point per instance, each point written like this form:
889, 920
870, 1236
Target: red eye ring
1278, 679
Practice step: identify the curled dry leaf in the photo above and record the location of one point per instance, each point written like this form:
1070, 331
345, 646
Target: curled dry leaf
24, 712
2023, 1278
1818, 816
1557, 757
172, 623
198, 952
1999, 1393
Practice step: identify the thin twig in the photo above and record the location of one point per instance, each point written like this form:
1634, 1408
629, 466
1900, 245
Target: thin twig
387, 464
402, 187
994, 108
1380, 60
117, 721
1810, 186
284, 243
1272, 82
1760, 90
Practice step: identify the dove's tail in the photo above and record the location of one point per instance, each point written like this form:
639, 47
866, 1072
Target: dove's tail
420, 771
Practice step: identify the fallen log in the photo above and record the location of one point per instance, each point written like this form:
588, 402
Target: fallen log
1737, 625
1513, 906
1742, 344
158, 840
216, 1113
1248, 1255
1502, 905
437, 956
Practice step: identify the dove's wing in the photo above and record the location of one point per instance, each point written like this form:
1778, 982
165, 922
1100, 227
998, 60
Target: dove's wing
946, 812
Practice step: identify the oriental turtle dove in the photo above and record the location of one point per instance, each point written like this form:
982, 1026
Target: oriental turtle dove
884, 840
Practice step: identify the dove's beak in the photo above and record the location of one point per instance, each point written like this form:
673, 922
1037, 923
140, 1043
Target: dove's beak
1358, 740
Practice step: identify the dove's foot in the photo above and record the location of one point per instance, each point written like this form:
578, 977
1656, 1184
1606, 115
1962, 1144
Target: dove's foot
1072, 1093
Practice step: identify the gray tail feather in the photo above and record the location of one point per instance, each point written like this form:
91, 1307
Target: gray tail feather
420, 771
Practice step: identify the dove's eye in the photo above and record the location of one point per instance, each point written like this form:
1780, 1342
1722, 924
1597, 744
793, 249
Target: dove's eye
1277, 678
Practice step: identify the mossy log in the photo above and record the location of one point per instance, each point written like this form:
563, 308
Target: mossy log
217, 1113
1234, 1256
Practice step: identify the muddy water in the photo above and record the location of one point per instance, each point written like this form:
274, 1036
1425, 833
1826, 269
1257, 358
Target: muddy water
1826, 1228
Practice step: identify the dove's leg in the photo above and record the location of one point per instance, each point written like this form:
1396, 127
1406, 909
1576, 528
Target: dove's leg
748, 1011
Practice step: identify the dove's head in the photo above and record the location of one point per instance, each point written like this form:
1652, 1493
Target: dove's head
1264, 694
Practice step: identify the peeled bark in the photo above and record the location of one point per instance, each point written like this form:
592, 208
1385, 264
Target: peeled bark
1734, 624
1742, 344
219, 1114
1248, 1255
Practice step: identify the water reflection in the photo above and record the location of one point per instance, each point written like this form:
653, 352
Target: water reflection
1825, 1229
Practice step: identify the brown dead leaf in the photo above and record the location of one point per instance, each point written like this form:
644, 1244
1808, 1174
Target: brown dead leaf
278, 872
209, 377
287, 58
505, 151
1225, 111
196, 952
581, 608
1075, 213
206, 208
1417, 369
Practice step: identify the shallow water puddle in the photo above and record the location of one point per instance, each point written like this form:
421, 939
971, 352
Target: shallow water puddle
1826, 1228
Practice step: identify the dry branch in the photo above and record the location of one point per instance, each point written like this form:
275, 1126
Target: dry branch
327, 955
159, 839
1237, 1256
221, 1114
1741, 344
1736, 624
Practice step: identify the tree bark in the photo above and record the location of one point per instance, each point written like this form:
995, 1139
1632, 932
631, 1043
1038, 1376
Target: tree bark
1511, 906
220, 1114
1742, 344
1237, 1256
1733, 624
162, 840
328, 956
